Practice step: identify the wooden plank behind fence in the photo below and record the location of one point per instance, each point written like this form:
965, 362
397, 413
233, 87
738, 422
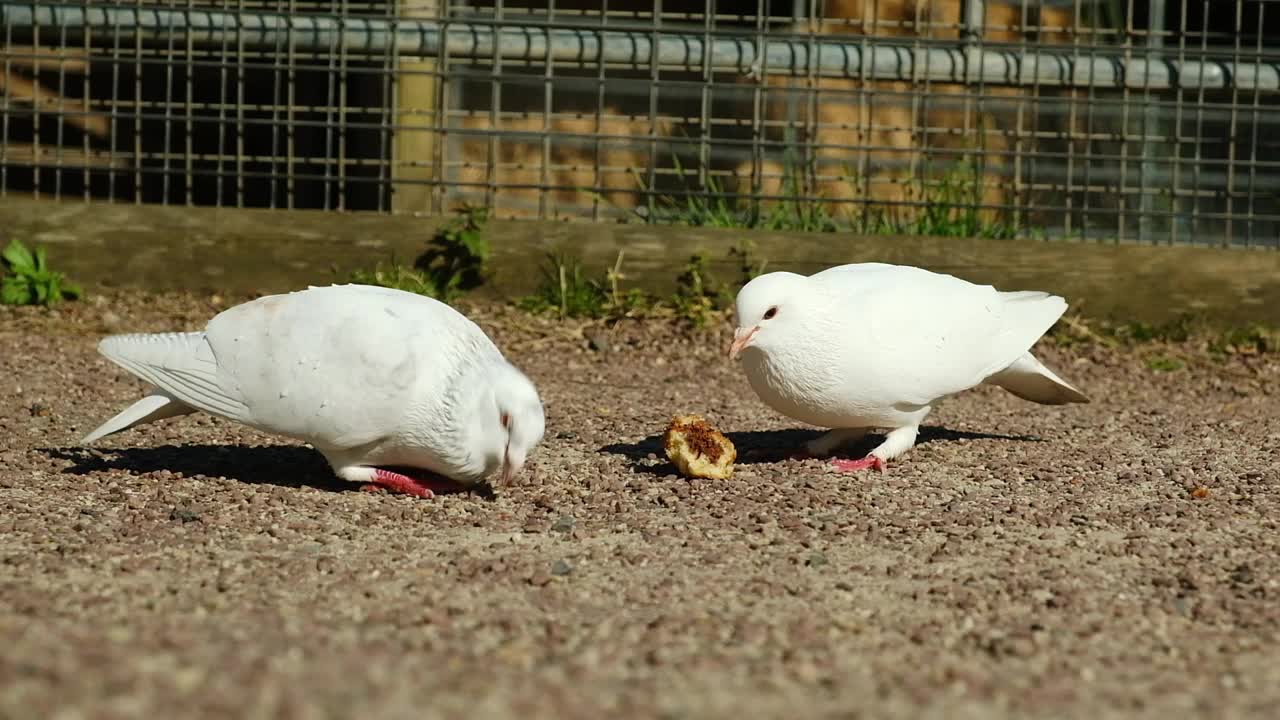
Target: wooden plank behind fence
274, 250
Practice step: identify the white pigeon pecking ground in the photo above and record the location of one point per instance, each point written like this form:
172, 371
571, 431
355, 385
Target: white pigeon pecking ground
876, 346
381, 382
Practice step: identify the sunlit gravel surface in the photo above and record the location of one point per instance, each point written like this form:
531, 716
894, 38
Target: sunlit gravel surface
1116, 559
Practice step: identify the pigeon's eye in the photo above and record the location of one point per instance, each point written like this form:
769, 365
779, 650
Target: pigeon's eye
770, 312
506, 420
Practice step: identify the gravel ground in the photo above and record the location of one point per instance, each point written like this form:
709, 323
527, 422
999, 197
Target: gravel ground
1117, 559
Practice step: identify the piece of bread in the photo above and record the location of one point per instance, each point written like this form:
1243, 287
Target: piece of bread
697, 449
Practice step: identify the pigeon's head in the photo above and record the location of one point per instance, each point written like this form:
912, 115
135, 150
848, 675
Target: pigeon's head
767, 311
513, 423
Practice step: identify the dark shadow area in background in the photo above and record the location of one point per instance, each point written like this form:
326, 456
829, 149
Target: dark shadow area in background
762, 447
287, 466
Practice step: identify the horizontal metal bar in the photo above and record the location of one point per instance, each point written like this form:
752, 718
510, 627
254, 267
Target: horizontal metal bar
867, 57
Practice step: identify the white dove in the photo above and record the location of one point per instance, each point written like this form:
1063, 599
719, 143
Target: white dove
373, 378
876, 346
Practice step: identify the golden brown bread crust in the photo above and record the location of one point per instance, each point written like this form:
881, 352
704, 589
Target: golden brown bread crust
697, 449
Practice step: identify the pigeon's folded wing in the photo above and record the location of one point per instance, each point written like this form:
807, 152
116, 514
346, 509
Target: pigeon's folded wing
341, 366
182, 365
923, 336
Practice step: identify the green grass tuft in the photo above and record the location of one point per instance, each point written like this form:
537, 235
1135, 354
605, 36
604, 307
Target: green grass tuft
950, 207
568, 291
1186, 330
28, 280
455, 262
398, 276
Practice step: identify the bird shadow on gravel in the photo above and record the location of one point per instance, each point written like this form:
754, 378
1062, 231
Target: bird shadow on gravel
763, 447
281, 465
287, 466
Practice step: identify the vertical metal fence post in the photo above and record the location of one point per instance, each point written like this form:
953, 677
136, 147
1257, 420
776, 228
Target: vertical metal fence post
448, 94
597, 177
414, 112
88, 175
291, 121
492, 179
139, 162
36, 117
277, 91
545, 177
1091, 122
1252, 222
1197, 164
973, 18
1151, 124
386, 115
655, 83
758, 99
805, 160
1177, 218
1233, 129
6, 66
974, 27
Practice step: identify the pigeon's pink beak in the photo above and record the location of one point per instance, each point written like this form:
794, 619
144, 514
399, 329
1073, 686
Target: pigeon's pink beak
510, 468
741, 339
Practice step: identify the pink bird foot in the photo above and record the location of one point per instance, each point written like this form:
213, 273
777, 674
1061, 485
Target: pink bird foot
870, 461
397, 483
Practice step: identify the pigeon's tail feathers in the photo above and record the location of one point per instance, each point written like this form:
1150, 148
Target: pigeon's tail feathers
151, 348
1030, 295
1024, 317
151, 408
1032, 311
181, 365
1029, 379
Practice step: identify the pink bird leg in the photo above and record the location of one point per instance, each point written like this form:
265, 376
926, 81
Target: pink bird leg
398, 483
870, 461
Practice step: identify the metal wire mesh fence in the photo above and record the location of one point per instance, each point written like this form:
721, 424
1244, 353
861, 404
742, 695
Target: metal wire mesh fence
1117, 120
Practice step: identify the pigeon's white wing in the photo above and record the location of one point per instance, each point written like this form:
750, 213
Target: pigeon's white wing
180, 364
914, 336
339, 366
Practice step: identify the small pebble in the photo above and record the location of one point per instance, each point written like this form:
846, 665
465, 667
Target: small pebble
184, 515
598, 341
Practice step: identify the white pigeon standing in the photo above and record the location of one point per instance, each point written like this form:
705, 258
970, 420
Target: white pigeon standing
378, 380
876, 346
